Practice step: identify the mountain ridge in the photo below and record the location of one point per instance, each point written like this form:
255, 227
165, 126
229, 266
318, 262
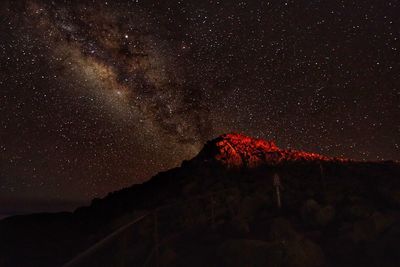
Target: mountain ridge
235, 150
220, 209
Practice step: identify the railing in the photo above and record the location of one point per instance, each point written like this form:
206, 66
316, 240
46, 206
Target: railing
90, 251
121, 247
110, 250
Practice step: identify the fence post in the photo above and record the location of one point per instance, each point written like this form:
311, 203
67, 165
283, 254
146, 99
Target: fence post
212, 211
322, 175
124, 242
156, 243
277, 184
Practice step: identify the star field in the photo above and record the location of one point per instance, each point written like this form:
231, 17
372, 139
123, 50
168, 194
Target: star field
98, 95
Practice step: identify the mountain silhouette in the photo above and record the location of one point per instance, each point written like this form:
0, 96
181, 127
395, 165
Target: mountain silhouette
241, 201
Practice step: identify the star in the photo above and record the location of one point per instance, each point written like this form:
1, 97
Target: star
96, 96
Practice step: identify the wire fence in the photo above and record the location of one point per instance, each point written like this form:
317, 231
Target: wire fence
120, 248
138, 242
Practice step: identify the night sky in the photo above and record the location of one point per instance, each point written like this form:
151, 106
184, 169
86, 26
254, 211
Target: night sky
99, 95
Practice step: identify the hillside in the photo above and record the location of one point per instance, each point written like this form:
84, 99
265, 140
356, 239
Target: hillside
223, 208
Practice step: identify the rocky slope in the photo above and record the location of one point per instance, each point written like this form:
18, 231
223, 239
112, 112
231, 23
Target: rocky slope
221, 209
240, 151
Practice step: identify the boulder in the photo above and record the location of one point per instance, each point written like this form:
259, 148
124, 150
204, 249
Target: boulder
245, 252
250, 206
301, 253
316, 215
168, 258
371, 228
282, 230
294, 253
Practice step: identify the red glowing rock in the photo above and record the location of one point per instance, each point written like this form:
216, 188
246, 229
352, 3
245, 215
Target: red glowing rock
238, 150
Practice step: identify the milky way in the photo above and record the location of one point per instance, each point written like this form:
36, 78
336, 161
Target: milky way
98, 95
124, 59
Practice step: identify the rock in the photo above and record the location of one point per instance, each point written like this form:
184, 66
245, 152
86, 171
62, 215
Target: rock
297, 250
282, 230
358, 211
370, 228
244, 252
363, 230
310, 207
168, 258
333, 197
386, 248
295, 253
237, 150
382, 221
250, 206
302, 253
189, 188
236, 228
391, 195
315, 215
324, 215
395, 197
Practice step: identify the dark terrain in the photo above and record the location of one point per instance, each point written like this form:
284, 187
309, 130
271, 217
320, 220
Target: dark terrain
220, 209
